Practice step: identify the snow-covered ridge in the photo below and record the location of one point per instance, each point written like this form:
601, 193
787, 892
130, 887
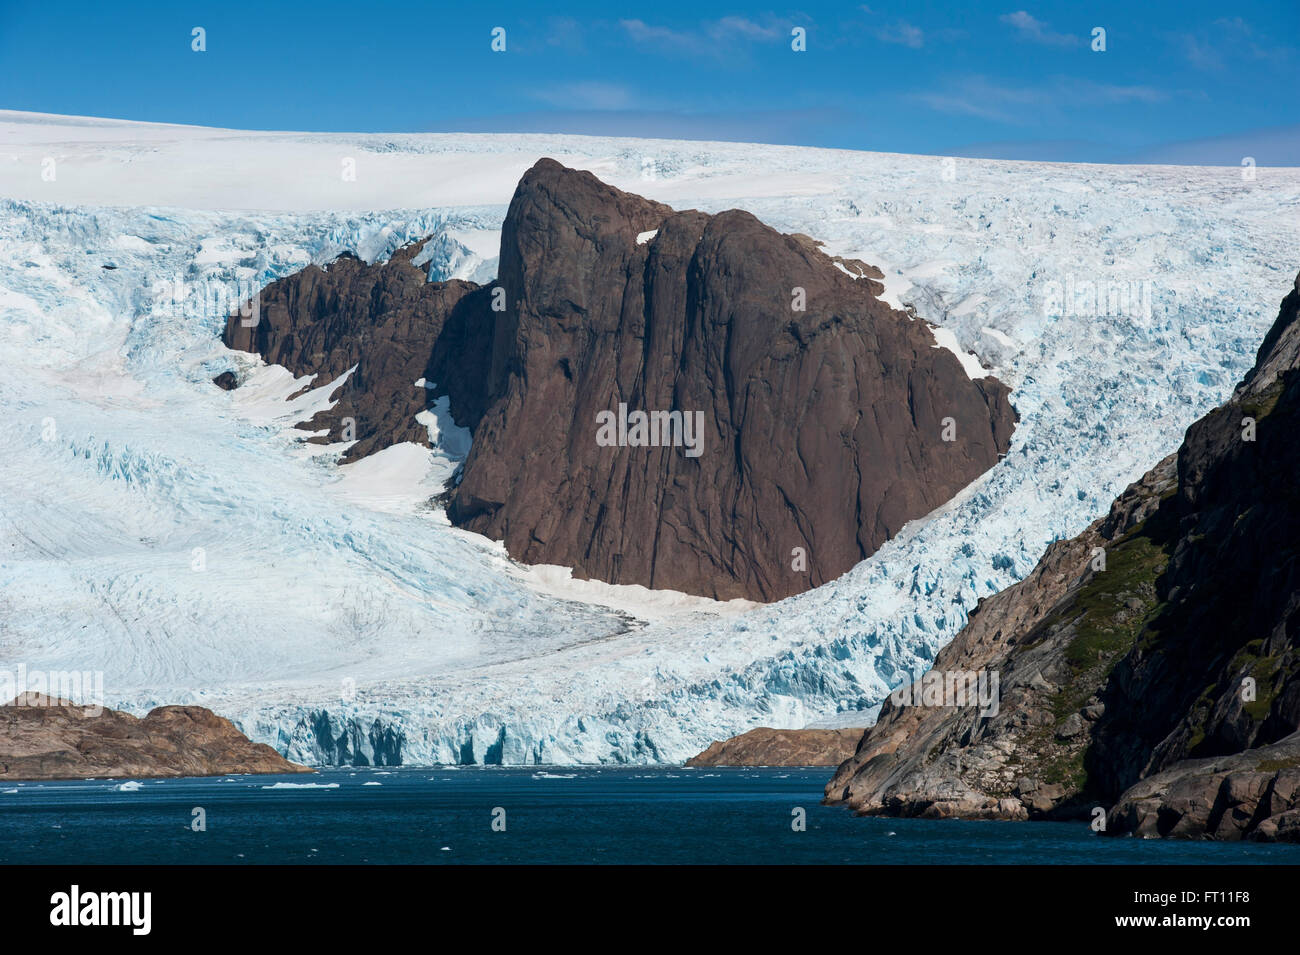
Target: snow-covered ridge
946, 338
151, 528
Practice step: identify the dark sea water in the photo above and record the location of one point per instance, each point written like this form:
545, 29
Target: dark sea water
409, 815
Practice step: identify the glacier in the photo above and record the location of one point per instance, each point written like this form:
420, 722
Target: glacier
184, 542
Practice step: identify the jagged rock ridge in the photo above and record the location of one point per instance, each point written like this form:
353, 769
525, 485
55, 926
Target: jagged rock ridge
379, 322
810, 421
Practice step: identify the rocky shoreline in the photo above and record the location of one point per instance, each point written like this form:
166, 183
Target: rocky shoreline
43, 738
764, 746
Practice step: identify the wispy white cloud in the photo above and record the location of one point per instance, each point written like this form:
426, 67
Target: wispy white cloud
566, 33
793, 126
1199, 53
590, 95
643, 32
1021, 105
1270, 146
902, 33
978, 96
1086, 91
1030, 28
1231, 39
713, 37
741, 26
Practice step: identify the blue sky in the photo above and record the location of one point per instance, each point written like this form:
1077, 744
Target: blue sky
1184, 82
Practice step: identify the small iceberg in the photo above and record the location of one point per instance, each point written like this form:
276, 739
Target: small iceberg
131, 787
302, 786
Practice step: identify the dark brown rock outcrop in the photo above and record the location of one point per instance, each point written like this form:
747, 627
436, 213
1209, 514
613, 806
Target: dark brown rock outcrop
822, 429
803, 421
381, 320
1119, 681
42, 738
771, 747
1254, 795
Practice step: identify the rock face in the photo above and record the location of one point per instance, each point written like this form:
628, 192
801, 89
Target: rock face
380, 322
819, 429
42, 738
1026, 759
795, 422
1252, 795
226, 381
1141, 672
772, 747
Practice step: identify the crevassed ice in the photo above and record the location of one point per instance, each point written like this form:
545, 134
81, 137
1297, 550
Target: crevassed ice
151, 530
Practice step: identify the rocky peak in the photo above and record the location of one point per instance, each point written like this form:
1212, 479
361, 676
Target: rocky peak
821, 408
378, 322
673, 399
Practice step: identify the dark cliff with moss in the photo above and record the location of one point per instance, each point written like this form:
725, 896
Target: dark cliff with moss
1150, 666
